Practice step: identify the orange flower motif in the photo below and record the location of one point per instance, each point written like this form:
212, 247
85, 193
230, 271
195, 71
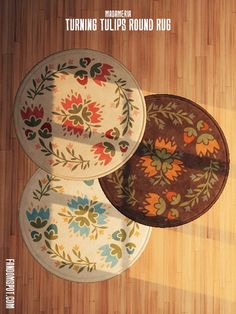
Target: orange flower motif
189, 135
173, 214
149, 170
168, 145
155, 205
206, 145
172, 197
163, 162
175, 171
202, 126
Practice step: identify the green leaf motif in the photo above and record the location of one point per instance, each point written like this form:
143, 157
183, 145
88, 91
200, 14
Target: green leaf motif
116, 250
75, 109
119, 235
78, 265
39, 223
208, 178
39, 88
45, 188
124, 191
160, 206
109, 148
76, 120
33, 122
190, 131
205, 138
81, 73
127, 108
82, 221
95, 69
168, 111
61, 159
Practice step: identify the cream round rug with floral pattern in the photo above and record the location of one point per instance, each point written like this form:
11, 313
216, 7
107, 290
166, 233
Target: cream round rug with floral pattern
74, 232
79, 114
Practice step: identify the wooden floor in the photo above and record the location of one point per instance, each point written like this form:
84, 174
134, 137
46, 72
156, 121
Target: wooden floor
185, 270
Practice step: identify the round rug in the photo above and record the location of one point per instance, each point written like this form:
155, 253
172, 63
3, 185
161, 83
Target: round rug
74, 232
179, 169
79, 114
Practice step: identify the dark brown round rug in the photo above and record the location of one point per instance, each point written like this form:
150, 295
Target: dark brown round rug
178, 171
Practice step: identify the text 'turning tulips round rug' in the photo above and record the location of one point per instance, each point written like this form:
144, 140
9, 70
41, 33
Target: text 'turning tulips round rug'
74, 232
179, 169
79, 114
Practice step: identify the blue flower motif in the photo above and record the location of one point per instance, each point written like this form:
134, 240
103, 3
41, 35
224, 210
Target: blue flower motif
106, 251
38, 218
84, 230
86, 216
36, 236
130, 248
52, 232
112, 252
74, 203
101, 218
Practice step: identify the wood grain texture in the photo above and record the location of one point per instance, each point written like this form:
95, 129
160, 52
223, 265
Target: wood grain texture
185, 270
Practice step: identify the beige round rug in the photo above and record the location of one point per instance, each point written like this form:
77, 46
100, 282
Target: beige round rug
79, 114
74, 232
